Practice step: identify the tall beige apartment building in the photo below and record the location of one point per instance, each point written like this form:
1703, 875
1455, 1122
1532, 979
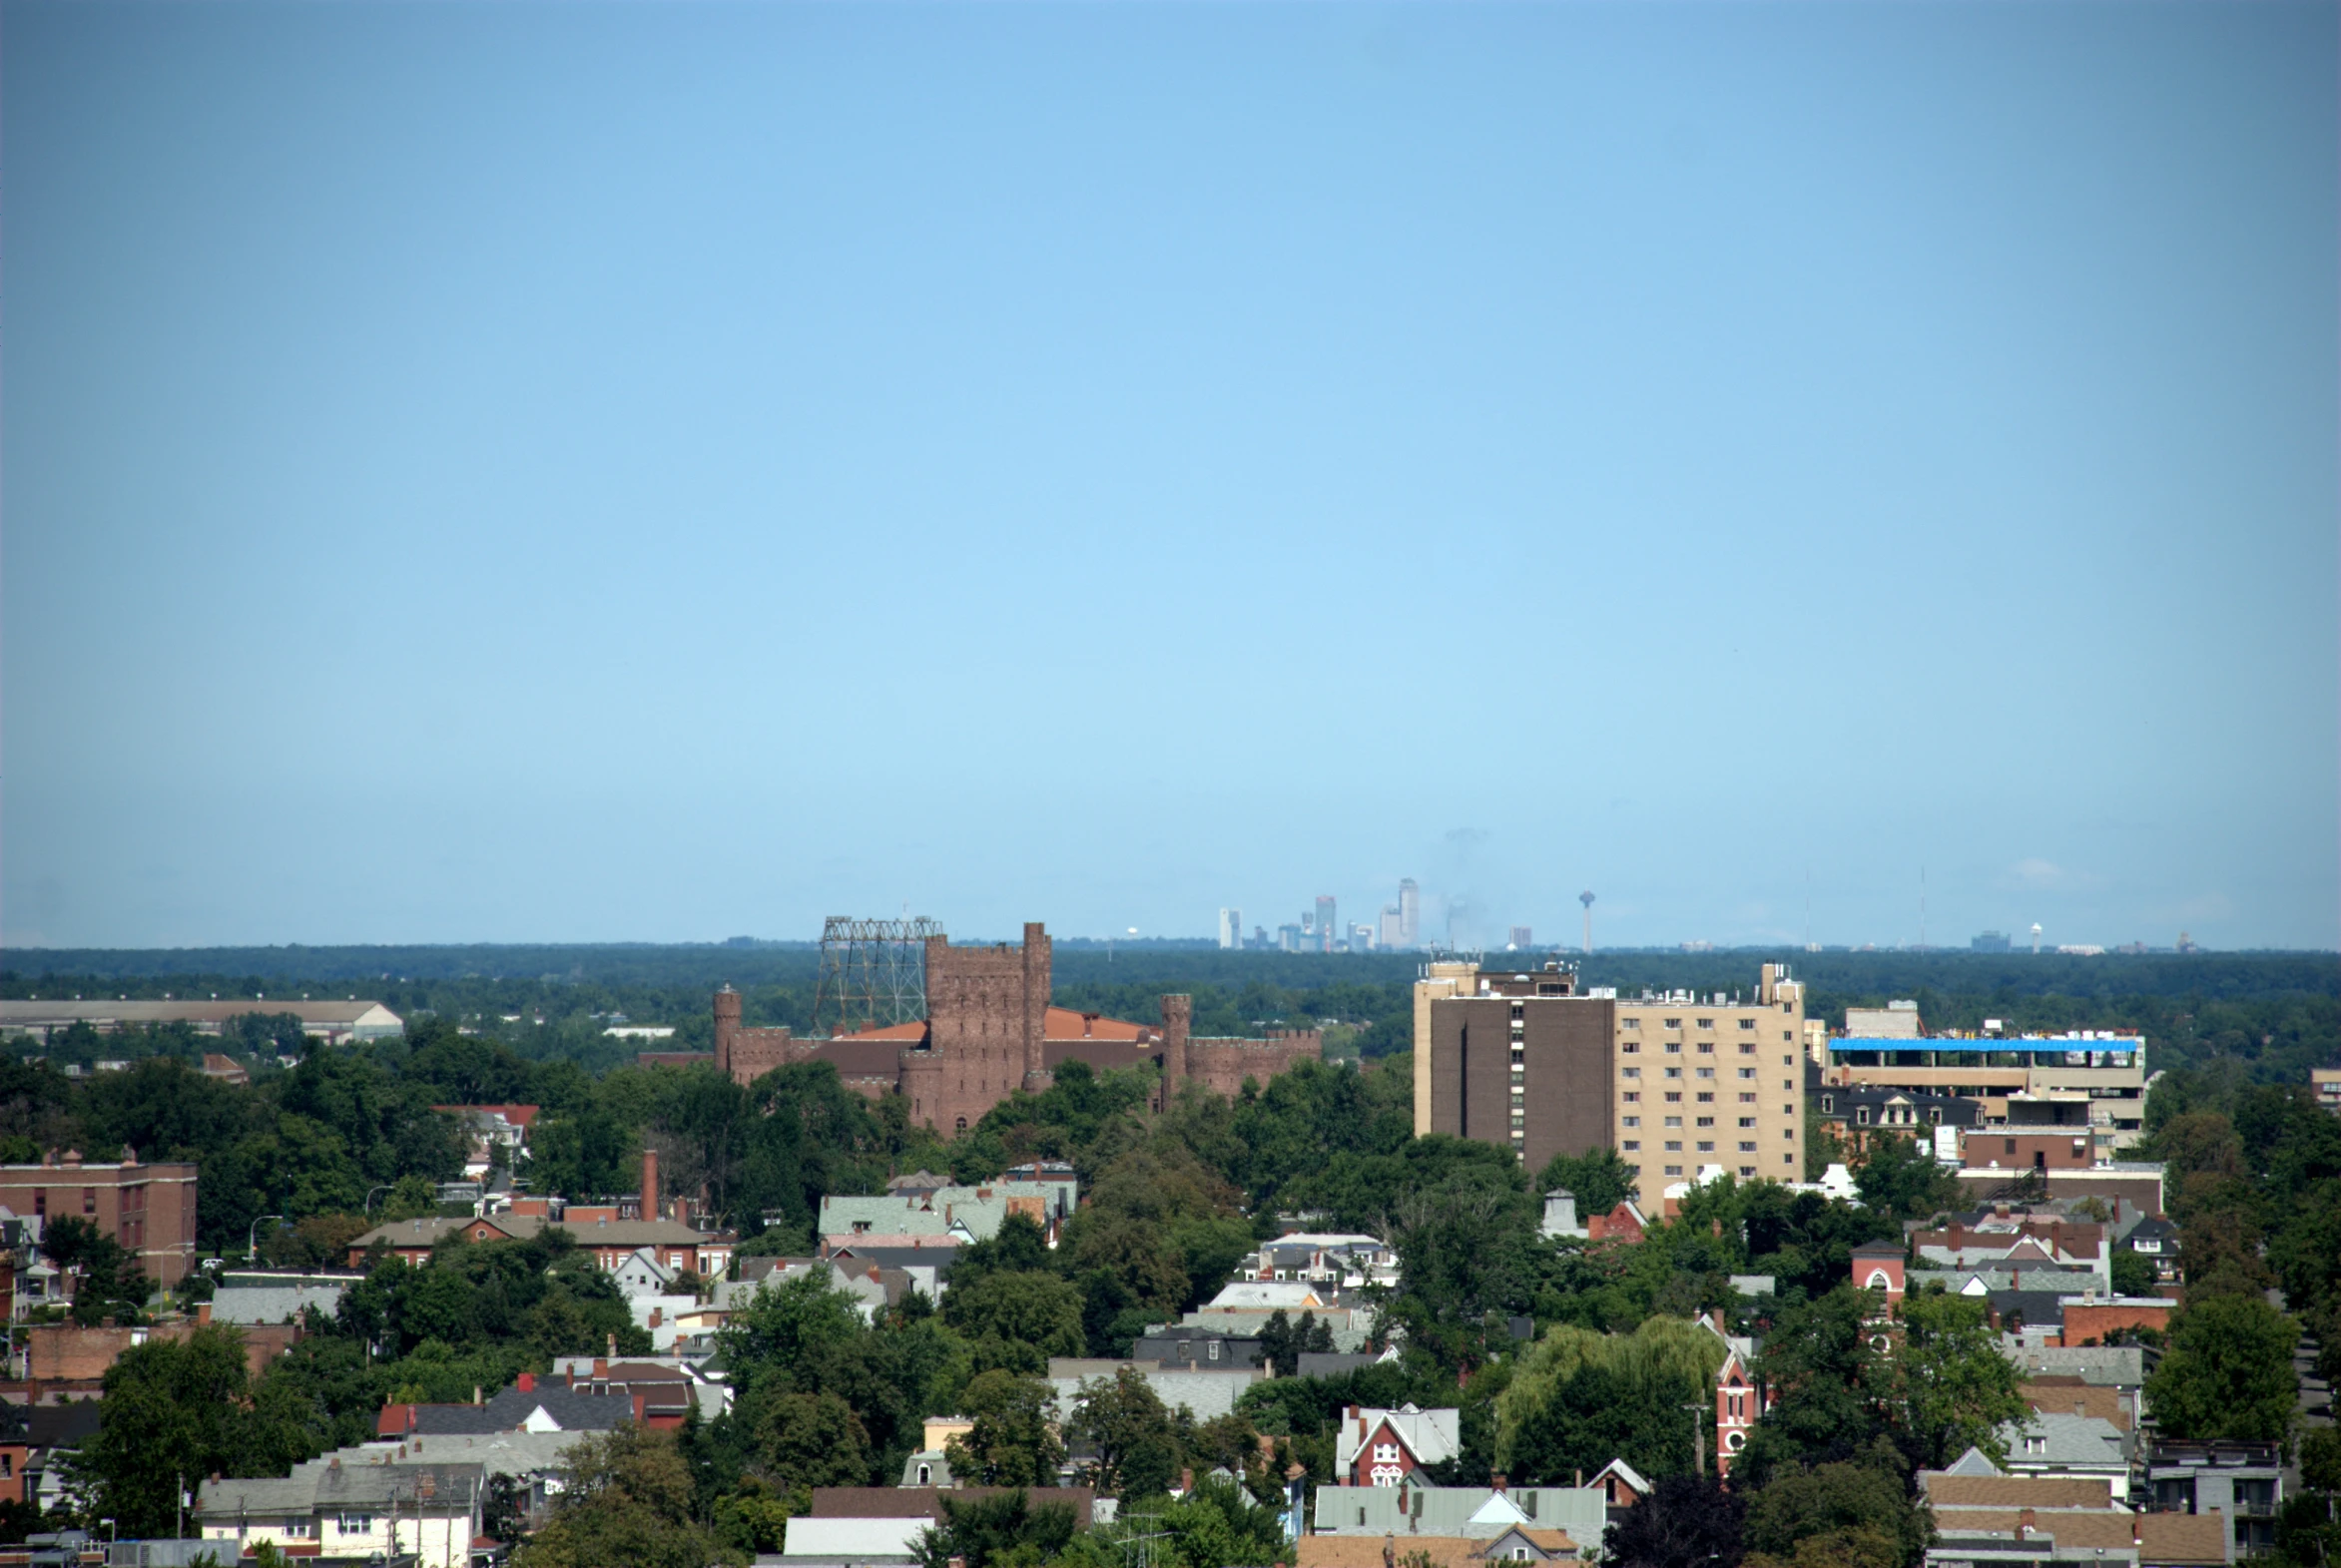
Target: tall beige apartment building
1713, 1081
1439, 979
1680, 1085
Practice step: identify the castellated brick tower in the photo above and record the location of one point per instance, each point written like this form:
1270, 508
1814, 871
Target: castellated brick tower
727, 1025
1178, 1014
1037, 978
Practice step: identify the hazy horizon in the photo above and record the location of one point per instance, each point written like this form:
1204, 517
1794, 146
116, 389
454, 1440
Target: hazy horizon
667, 472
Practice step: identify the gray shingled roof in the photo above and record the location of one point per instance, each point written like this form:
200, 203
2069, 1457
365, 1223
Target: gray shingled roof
274, 1303
1582, 1512
571, 1409
2067, 1439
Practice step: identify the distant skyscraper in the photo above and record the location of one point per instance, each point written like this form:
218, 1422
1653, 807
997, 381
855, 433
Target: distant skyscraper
1328, 932
1287, 938
1231, 928
1410, 914
1522, 937
1361, 938
1393, 936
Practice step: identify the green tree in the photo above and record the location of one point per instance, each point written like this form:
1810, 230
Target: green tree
1220, 1526
1688, 1521
1837, 1514
1830, 1384
1576, 1395
2133, 1275
174, 1410
2228, 1372
1953, 1388
1600, 1180
113, 1284
1899, 1177
587, 1154
799, 1321
1011, 1440
811, 1439
1038, 1310
1126, 1425
628, 1501
997, 1531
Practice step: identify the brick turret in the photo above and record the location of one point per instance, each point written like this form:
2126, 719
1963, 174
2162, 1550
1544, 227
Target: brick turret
727, 1025
1178, 1013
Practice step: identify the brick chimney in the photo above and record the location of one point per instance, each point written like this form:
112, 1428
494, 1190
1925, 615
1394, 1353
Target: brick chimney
527, 1383
650, 1184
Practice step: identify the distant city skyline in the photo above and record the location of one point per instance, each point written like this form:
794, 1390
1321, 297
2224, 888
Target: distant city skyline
630, 472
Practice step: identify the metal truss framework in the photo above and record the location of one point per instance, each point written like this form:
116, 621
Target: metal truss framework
872, 973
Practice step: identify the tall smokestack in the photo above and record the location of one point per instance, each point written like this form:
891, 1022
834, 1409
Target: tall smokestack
650, 1184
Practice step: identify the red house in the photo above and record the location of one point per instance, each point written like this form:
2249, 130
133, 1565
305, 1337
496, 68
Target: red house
1383, 1448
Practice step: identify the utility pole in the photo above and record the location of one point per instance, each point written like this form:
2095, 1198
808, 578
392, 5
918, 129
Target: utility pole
1698, 1438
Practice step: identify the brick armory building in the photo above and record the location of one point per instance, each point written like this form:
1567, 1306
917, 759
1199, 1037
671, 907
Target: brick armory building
990, 1030
149, 1209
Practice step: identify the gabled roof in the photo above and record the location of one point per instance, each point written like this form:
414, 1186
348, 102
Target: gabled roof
1972, 1462
2066, 1439
1365, 1551
1956, 1489
66, 1425
1428, 1436
1544, 1543
2071, 1397
1625, 1473
1499, 1510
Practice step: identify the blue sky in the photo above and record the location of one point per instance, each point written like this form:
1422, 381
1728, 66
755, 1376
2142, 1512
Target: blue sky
579, 472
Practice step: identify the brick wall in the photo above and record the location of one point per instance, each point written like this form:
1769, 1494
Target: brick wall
2087, 1322
1222, 1066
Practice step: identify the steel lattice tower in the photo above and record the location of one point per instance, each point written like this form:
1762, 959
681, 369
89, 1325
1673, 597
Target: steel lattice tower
872, 973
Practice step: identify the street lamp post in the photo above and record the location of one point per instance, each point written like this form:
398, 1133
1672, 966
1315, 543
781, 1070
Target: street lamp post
1699, 1438
369, 1205
252, 1237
